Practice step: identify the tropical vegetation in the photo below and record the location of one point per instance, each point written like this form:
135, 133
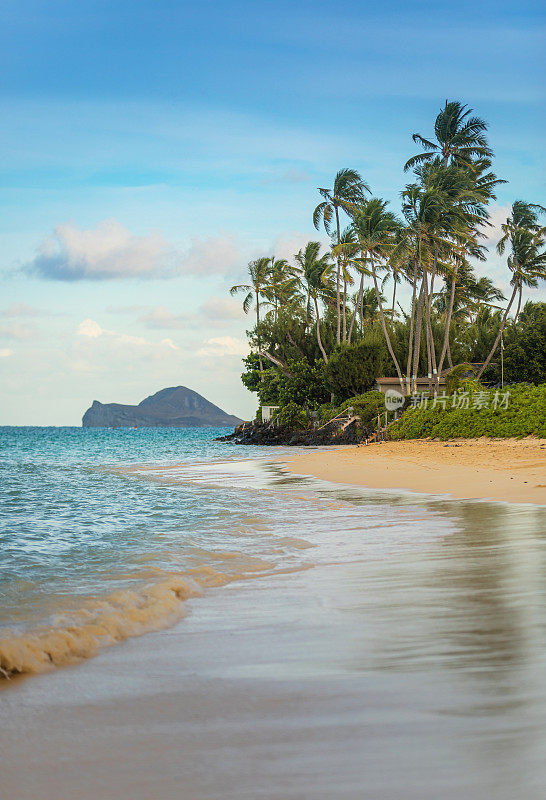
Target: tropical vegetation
401, 293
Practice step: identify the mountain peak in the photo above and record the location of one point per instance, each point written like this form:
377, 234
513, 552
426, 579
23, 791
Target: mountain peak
175, 407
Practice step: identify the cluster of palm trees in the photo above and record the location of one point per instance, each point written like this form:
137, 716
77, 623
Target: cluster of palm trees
430, 247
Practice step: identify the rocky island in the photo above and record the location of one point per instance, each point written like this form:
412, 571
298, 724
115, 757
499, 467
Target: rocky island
175, 407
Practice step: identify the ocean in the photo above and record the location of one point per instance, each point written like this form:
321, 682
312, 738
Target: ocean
303, 638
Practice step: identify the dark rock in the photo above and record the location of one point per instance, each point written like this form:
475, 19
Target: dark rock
259, 433
176, 407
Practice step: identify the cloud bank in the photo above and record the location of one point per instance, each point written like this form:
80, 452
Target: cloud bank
109, 251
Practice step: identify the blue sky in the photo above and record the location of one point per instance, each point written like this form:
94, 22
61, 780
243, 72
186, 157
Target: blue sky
164, 144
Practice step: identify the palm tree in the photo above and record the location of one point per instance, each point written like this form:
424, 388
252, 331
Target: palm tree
314, 274
459, 138
258, 271
376, 230
345, 252
281, 285
527, 259
347, 192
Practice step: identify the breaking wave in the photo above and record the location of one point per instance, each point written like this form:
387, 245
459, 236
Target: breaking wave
102, 622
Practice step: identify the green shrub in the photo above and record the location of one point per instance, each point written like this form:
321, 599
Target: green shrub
367, 406
524, 415
326, 412
292, 416
353, 368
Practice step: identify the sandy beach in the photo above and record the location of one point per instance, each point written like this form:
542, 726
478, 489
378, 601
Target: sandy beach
498, 469
411, 668
397, 650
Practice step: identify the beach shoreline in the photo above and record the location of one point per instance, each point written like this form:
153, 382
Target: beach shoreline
508, 470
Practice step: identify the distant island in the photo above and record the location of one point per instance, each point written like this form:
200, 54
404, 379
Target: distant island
175, 407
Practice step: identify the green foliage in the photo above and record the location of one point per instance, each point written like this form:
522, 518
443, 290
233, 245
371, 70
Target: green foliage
301, 383
252, 379
304, 385
367, 406
457, 376
292, 416
353, 368
525, 415
525, 346
325, 412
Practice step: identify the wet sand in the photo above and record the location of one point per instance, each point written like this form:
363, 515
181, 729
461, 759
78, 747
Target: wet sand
413, 668
499, 469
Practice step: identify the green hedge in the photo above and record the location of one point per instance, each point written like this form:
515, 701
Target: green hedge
524, 415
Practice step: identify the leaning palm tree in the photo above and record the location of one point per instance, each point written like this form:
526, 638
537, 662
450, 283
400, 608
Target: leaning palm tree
527, 259
459, 137
315, 270
258, 271
347, 192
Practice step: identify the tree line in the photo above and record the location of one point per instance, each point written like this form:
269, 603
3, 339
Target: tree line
333, 317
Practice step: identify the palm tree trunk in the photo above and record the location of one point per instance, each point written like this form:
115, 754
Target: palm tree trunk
357, 305
262, 379
410, 337
319, 340
427, 334
519, 303
344, 309
417, 341
338, 278
393, 298
499, 334
384, 326
435, 382
448, 322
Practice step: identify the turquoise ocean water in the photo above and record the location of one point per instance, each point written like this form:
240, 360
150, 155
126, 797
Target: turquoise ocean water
104, 533
101, 538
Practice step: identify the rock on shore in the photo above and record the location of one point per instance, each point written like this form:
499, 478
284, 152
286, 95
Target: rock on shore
261, 433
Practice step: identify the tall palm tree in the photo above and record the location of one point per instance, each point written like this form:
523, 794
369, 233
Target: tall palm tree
459, 137
315, 270
259, 271
376, 230
346, 251
527, 259
347, 192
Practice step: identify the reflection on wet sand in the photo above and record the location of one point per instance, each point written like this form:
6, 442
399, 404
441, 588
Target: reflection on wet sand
408, 663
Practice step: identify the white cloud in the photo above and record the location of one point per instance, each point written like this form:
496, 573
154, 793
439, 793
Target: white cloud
288, 244
161, 317
17, 331
213, 255
497, 217
5, 352
224, 346
107, 251
89, 328
22, 310
220, 308
169, 343
110, 251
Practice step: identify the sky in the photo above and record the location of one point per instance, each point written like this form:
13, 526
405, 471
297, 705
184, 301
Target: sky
151, 149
